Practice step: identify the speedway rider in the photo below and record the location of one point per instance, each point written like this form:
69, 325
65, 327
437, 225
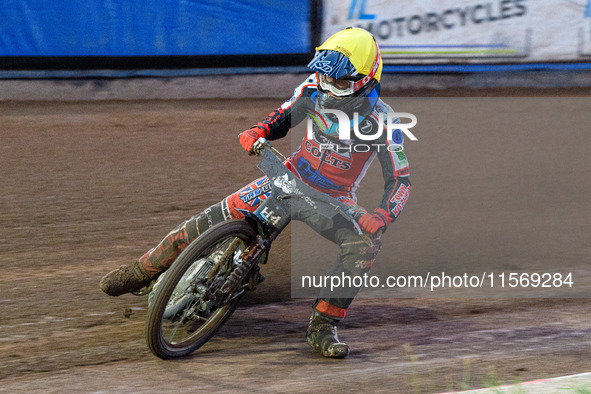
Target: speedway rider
347, 68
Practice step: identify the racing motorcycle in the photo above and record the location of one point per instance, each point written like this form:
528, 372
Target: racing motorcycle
203, 287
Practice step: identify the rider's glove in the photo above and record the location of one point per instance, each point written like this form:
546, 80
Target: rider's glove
250, 136
373, 222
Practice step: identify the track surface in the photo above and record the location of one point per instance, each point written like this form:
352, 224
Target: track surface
89, 186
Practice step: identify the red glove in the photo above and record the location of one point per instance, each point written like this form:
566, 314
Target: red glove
372, 222
250, 136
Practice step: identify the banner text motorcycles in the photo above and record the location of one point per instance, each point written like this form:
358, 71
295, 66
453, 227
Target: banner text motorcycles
448, 19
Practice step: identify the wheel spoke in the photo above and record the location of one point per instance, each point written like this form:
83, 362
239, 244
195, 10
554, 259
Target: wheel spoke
188, 303
179, 327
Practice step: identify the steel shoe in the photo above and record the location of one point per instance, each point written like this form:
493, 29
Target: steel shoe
322, 336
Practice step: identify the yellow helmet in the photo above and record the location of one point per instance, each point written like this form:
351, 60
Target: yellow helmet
348, 55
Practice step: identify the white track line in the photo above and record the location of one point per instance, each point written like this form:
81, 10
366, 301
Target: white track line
524, 385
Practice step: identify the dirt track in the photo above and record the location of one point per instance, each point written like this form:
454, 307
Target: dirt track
88, 186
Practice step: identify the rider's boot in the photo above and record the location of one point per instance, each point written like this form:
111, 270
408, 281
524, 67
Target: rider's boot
126, 279
322, 336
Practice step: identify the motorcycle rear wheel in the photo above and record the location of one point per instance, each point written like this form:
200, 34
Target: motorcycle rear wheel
175, 325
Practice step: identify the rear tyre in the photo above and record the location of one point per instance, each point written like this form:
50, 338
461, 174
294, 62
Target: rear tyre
180, 319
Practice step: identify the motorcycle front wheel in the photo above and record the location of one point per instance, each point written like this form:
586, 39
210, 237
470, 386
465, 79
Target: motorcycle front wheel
181, 313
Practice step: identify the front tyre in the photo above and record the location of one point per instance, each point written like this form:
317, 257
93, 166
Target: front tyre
181, 315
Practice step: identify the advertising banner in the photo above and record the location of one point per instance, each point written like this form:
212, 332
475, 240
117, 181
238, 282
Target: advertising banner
469, 31
153, 28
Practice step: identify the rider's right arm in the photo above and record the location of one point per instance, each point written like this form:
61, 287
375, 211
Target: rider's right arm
291, 113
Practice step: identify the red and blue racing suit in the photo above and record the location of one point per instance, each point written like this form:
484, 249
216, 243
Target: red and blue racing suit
336, 172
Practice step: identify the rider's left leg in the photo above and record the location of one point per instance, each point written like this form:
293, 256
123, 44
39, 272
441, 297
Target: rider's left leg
125, 279
132, 278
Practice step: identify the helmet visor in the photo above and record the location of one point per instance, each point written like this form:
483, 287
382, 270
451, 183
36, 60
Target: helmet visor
338, 87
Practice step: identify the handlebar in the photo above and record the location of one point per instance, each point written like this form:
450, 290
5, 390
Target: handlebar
258, 149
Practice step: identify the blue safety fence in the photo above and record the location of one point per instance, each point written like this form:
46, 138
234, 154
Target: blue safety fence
197, 72
57, 28
476, 68
139, 38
